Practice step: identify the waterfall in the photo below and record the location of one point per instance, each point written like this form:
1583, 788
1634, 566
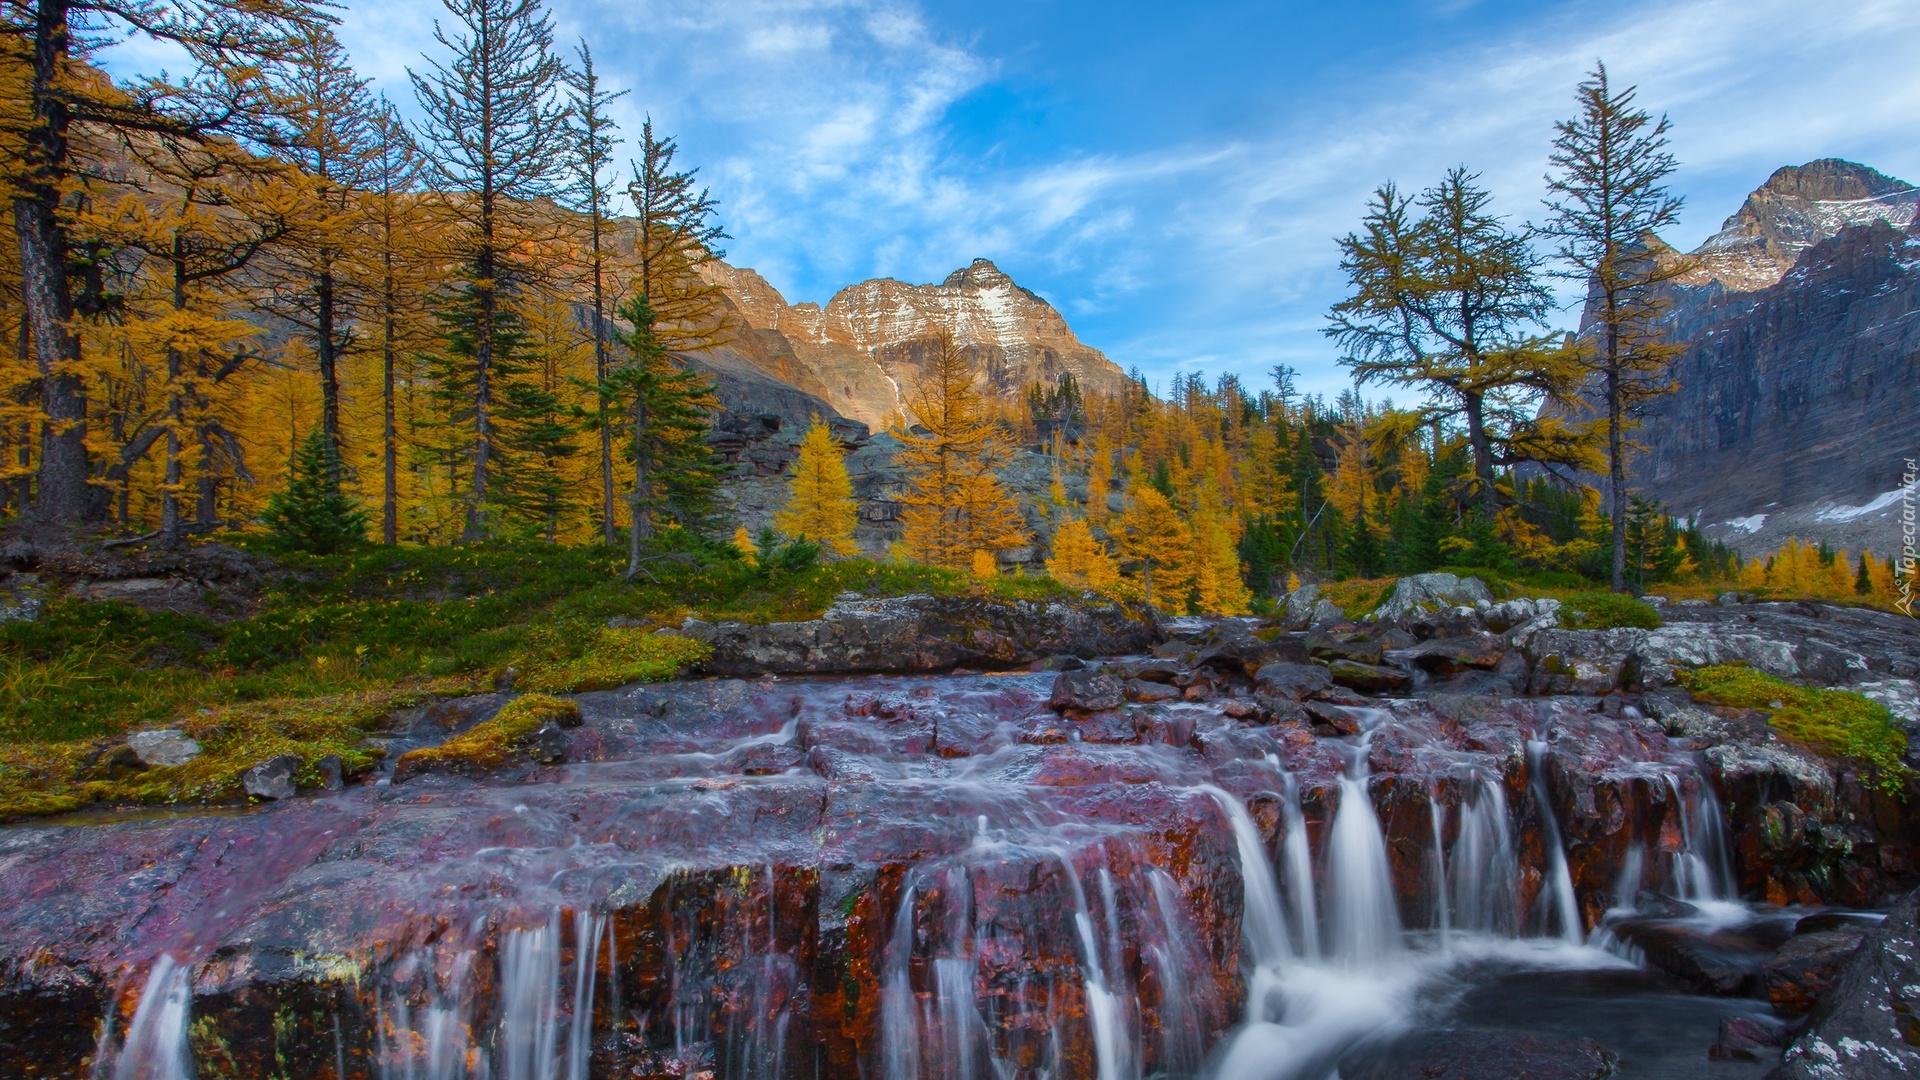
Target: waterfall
899, 1027
1261, 921
587, 928
1483, 886
1702, 868
529, 1003
1437, 821
1363, 917
156, 1044
436, 1043
1112, 1042
1559, 892
1297, 869
1182, 1042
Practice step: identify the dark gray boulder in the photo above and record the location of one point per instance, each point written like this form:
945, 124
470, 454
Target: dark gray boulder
1868, 1026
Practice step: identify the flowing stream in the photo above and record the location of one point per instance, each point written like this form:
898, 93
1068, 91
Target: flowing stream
937, 879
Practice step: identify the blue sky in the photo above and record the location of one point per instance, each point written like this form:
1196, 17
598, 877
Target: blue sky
1171, 175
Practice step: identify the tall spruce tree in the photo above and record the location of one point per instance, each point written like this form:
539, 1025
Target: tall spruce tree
591, 139
1609, 197
494, 138
669, 406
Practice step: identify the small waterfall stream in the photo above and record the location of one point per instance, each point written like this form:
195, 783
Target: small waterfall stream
1053, 937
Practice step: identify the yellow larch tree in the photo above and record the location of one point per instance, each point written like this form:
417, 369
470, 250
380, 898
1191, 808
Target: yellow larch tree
820, 504
1079, 561
1152, 535
955, 504
984, 565
1099, 481
1217, 574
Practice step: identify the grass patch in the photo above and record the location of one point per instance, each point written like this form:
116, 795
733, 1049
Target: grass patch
1835, 722
1606, 611
1357, 597
491, 743
333, 644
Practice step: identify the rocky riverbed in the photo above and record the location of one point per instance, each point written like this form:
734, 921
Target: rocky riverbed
1460, 839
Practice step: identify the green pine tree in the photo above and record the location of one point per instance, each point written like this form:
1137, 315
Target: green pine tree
668, 406
313, 514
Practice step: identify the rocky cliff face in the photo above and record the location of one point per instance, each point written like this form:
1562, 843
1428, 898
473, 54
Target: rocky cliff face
1800, 385
863, 351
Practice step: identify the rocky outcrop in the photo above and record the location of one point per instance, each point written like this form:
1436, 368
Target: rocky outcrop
1868, 1026
924, 633
864, 350
1801, 373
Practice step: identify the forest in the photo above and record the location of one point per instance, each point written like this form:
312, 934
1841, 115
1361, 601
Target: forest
251, 302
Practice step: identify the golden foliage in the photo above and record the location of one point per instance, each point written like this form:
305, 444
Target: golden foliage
955, 504
820, 504
1079, 561
1153, 536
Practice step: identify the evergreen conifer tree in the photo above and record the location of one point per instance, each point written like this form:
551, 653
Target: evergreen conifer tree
1609, 196
313, 513
669, 407
820, 504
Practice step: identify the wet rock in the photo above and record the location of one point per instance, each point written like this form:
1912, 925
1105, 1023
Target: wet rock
332, 773
1358, 648
1159, 669
165, 748
1237, 652
1448, 656
1368, 677
1868, 1026
1430, 592
1058, 663
1655, 905
1086, 691
1581, 661
272, 778
1804, 969
1397, 638
1482, 1055
1334, 718
922, 633
1149, 693
550, 744
1743, 1038
1292, 680
1445, 623
1713, 962
771, 759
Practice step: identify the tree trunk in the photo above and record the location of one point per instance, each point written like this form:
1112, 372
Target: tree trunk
486, 307
329, 361
642, 526
1482, 455
1616, 481
389, 440
607, 528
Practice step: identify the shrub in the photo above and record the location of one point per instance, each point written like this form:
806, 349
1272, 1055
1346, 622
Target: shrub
1606, 611
1835, 722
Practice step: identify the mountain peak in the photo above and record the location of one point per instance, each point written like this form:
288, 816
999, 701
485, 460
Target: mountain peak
1798, 207
979, 274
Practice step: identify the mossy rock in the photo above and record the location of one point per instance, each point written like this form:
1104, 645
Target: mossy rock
1838, 723
1607, 611
491, 744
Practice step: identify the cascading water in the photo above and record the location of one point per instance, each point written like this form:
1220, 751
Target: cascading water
1558, 895
1482, 886
1702, 869
156, 1044
1363, 917
1296, 862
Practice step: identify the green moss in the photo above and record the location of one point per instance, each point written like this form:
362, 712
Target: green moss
491, 743
1607, 611
1835, 722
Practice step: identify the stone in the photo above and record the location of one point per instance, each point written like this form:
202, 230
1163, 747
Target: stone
272, 778
1808, 965
1868, 1027
164, 748
1430, 592
770, 759
1326, 613
550, 744
1149, 693
1292, 680
1359, 648
923, 633
1581, 661
1744, 1038
1481, 1055
1370, 678
333, 773
27, 610
1237, 652
1086, 691
1158, 669
1447, 656
1058, 663
1297, 608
